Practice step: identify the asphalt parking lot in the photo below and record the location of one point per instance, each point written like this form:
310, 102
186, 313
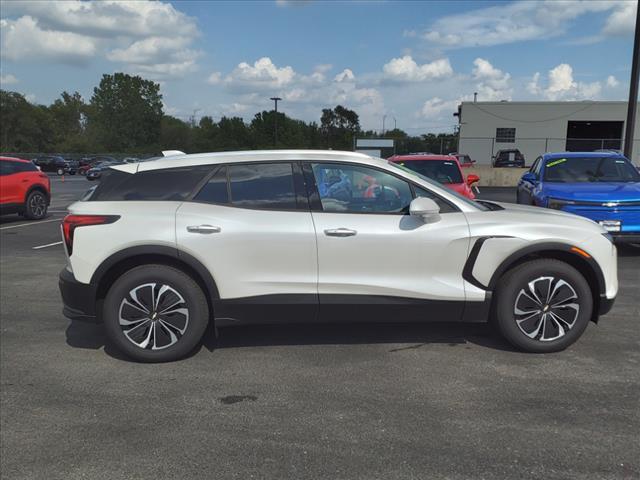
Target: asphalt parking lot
353, 401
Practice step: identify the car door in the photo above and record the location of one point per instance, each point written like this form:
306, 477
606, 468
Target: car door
9, 187
251, 227
377, 262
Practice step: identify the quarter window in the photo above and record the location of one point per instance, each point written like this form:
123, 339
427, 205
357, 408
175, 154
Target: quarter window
262, 186
171, 184
356, 189
505, 135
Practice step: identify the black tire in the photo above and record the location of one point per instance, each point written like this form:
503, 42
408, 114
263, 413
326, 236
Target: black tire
35, 206
509, 297
179, 283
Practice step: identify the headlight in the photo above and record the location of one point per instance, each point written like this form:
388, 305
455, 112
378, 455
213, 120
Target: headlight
558, 203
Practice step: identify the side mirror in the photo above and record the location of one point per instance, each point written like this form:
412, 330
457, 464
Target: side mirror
425, 208
471, 179
529, 177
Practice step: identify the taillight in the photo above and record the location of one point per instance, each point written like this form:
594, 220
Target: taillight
71, 222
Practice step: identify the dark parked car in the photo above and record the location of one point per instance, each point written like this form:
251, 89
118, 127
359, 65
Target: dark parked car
508, 158
87, 163
95, 172
53, 163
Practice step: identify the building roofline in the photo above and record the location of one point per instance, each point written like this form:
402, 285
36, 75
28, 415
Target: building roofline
548, 102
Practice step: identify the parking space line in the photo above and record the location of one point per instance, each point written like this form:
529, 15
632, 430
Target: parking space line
30, 224
47, 245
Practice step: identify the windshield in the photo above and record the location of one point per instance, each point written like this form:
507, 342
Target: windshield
442, 171
430, 181
590, 169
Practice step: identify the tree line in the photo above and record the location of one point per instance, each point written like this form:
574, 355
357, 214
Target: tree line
125, 115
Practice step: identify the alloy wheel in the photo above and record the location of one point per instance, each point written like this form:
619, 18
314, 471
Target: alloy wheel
153, 316
37, 205
546, 309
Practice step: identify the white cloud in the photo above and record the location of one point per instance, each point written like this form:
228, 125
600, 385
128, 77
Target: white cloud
106, 18
215, 78
435, 107
147, 37
524, 20
30, 97
612, 82
345, 76
23, 38
562, 86
533, 87
622, 21
8, 79
493, 83
406, 69
263, 74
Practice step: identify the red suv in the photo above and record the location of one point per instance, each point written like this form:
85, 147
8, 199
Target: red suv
441, 168
23, 188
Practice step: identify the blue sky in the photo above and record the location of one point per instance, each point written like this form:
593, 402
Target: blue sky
412, 61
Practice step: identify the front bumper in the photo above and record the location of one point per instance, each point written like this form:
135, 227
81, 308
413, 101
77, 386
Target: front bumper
79, 299
606, 304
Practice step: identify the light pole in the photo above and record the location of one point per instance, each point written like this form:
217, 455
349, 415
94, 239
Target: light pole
384, 117
633, 93
275, 132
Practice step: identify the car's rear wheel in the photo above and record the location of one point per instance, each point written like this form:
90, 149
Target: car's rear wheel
155, 313
60, 171
543, 305
35, 207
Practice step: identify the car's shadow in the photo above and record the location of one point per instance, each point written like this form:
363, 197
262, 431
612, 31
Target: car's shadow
398, 336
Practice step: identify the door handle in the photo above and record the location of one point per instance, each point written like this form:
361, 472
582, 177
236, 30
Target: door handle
206, 229
340, 232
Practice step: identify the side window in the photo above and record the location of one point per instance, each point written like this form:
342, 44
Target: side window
538, 167
6, 167
357, 189
171, 184
24, 167
445, 207
262, 186
535, 168
215, 190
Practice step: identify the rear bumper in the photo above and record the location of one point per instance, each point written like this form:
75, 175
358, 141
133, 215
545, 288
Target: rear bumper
79, 299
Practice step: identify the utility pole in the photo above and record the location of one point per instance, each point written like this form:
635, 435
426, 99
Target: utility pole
384, 117
275, 132
633, 93
193, 117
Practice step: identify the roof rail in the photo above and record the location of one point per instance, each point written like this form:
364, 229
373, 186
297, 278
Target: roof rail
172, 153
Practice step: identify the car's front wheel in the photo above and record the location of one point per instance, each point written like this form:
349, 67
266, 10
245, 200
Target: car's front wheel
543, 305
35, 207
155, 313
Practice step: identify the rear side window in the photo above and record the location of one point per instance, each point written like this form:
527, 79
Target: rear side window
6, 167
215, 190
263, 186
171, 184
24, 167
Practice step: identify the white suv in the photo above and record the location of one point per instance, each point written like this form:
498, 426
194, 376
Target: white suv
159, 249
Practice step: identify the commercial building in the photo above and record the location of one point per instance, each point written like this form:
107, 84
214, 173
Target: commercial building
538, 127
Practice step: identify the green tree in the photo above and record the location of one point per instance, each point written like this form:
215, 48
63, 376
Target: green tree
24, 127
68, 115
339, 127
126, 112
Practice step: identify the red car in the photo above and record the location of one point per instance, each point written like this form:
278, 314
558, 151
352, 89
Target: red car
441, 168
24, 189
